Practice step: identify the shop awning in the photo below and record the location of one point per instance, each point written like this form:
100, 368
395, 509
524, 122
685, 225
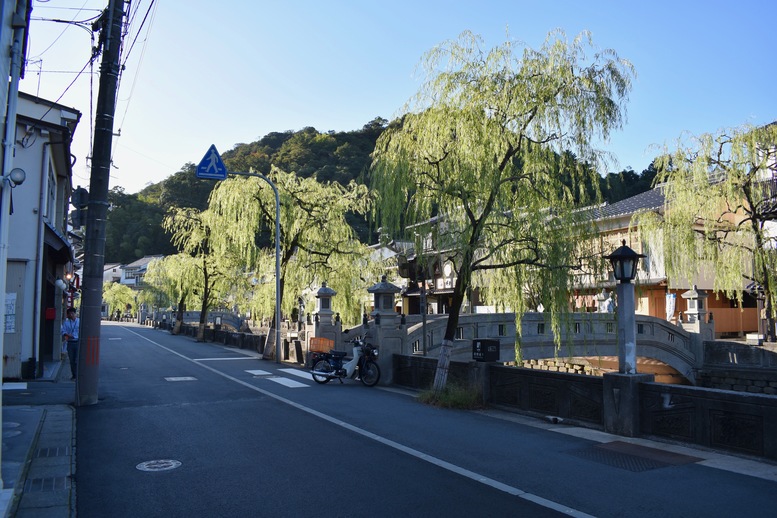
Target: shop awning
59, 246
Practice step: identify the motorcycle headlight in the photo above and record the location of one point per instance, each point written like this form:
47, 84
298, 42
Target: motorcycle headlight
375, 352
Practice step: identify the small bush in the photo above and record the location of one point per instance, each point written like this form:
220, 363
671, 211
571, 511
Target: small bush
453, 396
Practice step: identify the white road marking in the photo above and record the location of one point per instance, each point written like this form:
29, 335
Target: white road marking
388, 442
287, 382
110, 339
259, 373
181, 378
297, 372
221, 359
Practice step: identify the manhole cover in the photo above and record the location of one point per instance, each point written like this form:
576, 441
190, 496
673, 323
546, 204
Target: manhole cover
158, 465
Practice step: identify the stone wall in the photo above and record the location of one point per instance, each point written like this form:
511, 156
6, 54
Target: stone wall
560, 366
739, 367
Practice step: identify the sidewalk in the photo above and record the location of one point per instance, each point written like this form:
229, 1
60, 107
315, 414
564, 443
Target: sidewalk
38, 457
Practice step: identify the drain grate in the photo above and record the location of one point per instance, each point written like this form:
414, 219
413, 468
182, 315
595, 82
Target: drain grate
45, 485
52, 452
633, 457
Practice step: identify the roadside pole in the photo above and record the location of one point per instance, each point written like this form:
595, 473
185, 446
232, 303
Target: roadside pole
94, 244
211, 167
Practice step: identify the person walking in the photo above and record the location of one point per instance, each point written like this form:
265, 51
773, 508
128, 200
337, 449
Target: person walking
70, 329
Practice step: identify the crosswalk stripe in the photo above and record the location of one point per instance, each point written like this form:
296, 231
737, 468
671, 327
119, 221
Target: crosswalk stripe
258, 373
297, 372
287, 382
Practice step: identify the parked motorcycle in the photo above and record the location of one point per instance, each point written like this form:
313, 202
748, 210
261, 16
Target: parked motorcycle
328, 366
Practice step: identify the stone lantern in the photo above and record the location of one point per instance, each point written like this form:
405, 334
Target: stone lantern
384, 293
324, 304
697, 310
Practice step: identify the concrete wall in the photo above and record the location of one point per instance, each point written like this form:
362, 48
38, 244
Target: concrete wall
727, 420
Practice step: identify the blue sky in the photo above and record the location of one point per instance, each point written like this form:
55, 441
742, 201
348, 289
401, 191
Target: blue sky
203, 72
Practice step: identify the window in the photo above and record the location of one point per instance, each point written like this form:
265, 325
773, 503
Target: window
577, 328
417, 347
502, 330
541, 328
50, 210
460, 333
640, 329
610, 327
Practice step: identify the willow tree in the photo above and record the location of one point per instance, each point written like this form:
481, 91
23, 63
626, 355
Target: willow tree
477, 147
720, 213
171, 280
119, 296
317, 243
193, 232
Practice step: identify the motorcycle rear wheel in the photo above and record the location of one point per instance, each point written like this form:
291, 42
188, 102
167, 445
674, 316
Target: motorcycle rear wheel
370, 373
321, 366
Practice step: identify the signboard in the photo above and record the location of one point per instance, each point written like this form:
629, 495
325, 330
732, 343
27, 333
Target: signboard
485, 350
211, 167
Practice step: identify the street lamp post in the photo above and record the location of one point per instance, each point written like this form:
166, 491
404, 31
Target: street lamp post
624, 262
621, 389
277, 259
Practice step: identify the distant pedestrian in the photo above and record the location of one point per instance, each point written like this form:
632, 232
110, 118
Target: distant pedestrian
70, 334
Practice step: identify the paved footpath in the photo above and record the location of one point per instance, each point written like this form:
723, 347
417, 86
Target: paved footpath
39, 439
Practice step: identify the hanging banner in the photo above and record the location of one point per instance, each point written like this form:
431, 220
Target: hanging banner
670, 305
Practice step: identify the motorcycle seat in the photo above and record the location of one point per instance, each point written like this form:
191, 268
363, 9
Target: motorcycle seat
338, 354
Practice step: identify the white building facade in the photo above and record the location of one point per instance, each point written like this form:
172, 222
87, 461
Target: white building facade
39, 251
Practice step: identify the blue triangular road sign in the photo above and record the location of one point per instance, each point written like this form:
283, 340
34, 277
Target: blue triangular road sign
211, 166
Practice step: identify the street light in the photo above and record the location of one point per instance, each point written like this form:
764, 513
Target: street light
624, 262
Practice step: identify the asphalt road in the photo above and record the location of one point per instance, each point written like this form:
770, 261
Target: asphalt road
256, 438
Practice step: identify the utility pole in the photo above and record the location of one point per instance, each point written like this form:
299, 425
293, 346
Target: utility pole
94, 244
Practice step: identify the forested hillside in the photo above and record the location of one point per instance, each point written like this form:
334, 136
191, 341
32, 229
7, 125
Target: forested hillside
134, 226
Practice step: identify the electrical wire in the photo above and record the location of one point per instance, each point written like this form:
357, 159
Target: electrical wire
151, 11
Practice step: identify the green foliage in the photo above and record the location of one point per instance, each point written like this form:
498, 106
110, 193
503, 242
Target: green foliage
184, 189
720, 200
135, 220
317, 244
119, 296
619, 186
134, 228
193, 233
454, 396
170, 280
485, 146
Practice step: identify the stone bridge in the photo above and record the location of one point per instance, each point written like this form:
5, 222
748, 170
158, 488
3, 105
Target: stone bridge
582, 335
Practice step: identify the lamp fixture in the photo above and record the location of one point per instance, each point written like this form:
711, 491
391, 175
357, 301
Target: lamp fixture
624, 262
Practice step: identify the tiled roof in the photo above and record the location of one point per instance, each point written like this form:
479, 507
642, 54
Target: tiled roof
648, 200
143, 261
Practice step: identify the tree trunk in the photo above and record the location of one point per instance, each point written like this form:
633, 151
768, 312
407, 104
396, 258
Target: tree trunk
444, 360
205, 301
179, 315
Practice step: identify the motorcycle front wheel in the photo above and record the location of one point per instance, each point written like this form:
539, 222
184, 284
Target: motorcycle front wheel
369, 373
322, 366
